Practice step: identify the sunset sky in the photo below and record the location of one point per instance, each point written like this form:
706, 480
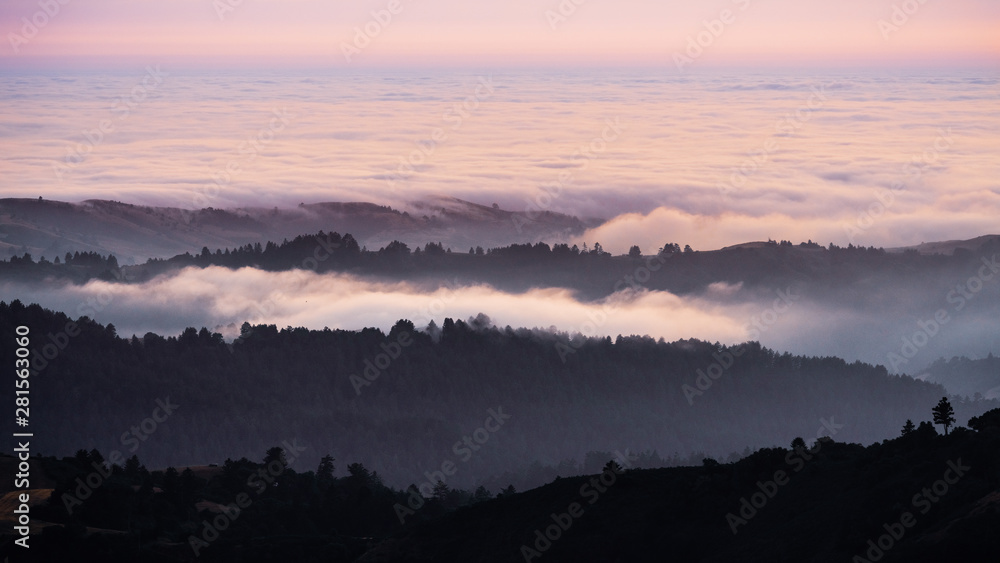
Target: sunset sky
312, 33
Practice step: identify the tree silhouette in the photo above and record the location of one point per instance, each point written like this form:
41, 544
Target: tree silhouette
670, 248
276, 453
908, 427
990, 418
481, 494
441, 491
82, 458
359, 474
324, 473
926, 429
634, 252
944, 414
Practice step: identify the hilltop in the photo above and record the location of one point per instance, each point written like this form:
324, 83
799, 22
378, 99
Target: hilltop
135, 233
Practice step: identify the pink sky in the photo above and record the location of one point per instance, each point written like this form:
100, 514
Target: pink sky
103, 33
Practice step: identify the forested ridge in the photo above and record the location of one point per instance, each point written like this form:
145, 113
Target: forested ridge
563, 397
837, 273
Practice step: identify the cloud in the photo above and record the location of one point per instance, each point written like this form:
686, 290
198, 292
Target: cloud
710, 232
867, 322
682, 138
219, 298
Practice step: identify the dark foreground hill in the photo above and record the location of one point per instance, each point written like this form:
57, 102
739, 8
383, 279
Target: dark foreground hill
919, 498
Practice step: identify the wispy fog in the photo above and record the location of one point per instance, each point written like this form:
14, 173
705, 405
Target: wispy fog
869, 325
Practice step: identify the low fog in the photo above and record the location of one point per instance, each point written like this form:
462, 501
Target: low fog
871, 323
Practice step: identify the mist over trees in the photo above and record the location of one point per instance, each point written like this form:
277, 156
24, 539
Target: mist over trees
863, 279
403, 402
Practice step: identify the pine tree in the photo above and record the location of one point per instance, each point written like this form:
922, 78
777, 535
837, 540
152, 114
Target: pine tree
944, 414
276, 453
441, 491
908, 427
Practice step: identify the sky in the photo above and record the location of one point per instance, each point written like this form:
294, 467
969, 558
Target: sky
428, 33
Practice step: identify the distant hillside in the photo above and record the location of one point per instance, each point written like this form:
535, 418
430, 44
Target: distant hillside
963, 376
863, 278
948, 246
134, 233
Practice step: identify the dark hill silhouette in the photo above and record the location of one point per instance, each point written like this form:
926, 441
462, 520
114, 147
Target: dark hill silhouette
921, 497
839, 500
342, 392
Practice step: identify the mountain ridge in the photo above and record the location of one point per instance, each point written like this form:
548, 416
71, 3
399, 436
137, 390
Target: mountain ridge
135, 233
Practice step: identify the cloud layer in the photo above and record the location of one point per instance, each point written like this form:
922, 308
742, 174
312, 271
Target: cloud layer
701, 159
869, 327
